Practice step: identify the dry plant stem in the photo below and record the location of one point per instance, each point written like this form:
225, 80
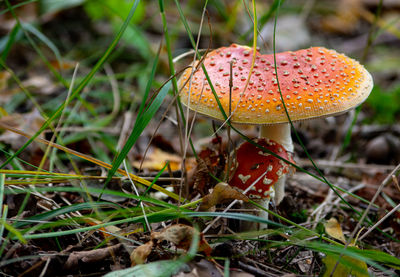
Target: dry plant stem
88, 158
114, 90
53, 137
396, 182
328, 203
380, 221
122, 138
385, 182
43, 273
281, 134
228, 128
124, 132
187, 132
321, 208
137, 194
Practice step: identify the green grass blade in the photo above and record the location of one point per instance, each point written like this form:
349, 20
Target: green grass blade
80, 87
165, 268
2, 181
63, 210
140, 125
3, 218
265, 17
163, 215
149, 83
12, 37
43, 38
3, 210
92, 191
17, 234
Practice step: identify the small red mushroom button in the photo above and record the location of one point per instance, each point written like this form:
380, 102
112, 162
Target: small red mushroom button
252, 163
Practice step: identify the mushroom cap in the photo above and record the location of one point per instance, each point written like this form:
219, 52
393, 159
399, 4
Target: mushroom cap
315, 82
252, 162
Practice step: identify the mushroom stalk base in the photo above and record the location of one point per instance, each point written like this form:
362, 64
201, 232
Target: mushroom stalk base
246, 226
281, 134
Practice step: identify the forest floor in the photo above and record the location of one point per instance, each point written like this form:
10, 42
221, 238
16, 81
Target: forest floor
93, 103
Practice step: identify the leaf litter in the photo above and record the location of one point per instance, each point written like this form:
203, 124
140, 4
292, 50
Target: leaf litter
98, 252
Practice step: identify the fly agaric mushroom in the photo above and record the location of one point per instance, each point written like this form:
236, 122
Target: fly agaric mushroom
259, 170
315, 82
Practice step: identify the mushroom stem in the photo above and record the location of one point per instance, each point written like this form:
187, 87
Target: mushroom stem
281, 134
246, 226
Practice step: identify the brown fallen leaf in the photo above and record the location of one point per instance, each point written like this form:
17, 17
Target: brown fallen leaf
222, 192
140, 254
90, 256
181, 235
200, 177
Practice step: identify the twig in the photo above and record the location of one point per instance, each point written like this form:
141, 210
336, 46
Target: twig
254, 270
189, 131
396, 182
137, 193
380, 221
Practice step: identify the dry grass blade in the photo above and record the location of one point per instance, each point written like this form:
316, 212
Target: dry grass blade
93, 160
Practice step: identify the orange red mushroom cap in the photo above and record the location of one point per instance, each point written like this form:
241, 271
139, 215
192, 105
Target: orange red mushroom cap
252, 163
315, 82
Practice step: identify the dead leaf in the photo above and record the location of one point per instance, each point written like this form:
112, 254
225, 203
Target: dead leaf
90, 256
64, 65
181, 235
222, 192
140, 254
105, 230
157, 159
200, 176
333, 229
